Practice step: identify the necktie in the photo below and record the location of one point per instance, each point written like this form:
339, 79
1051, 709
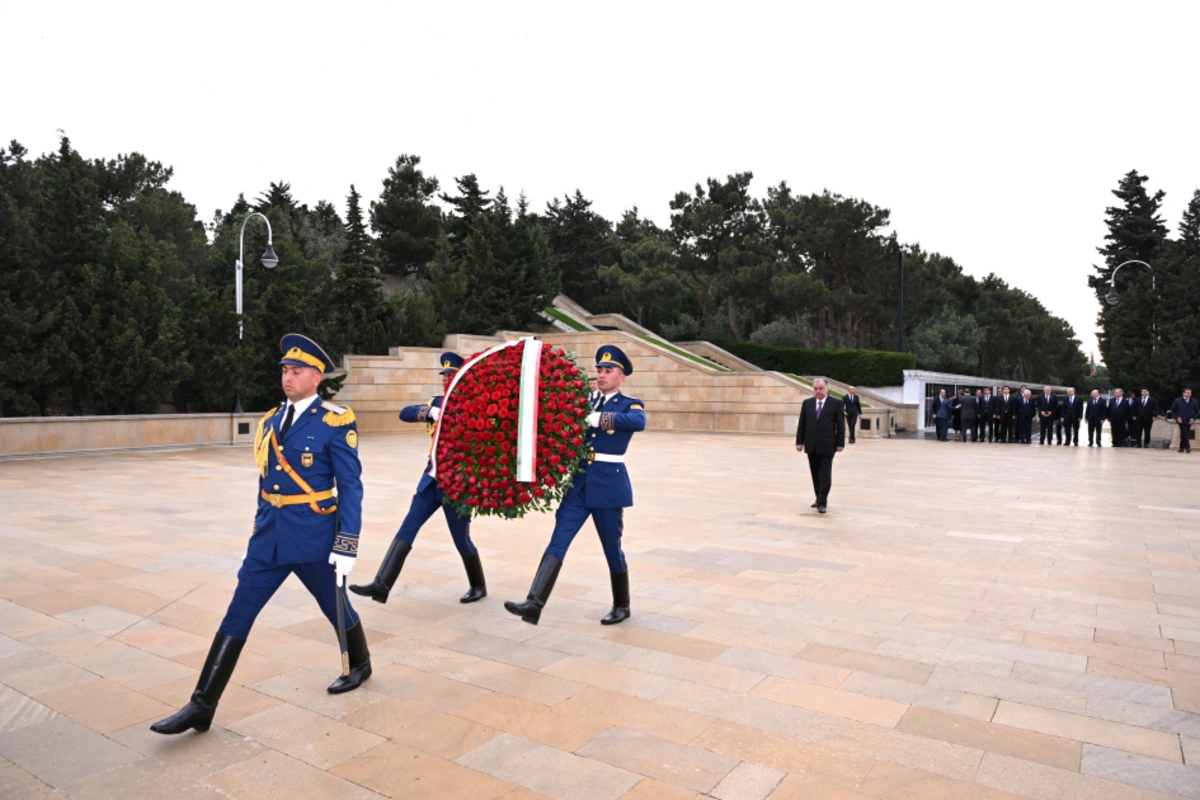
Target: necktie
600, 401
819, 404
287, 421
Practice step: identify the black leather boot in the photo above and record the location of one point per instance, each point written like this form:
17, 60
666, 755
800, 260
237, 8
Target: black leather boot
539, 593
360, 661
218, 667
478, 589
379, 589
620, 609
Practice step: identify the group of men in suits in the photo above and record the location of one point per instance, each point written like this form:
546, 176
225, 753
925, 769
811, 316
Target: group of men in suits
1009, 418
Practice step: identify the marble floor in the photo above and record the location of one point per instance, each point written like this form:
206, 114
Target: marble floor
968, 621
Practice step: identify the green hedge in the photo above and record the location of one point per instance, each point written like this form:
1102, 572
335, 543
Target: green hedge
857, 367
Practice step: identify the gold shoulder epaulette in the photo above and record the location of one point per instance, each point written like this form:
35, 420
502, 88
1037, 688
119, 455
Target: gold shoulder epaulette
338, 416
262, 443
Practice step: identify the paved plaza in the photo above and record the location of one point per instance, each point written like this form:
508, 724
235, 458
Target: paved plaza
969, 621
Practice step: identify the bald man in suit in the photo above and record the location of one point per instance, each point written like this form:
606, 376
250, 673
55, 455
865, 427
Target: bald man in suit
821, 432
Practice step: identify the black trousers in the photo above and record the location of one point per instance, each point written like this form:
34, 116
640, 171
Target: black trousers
821, 468
1025, 430
983, 426
1147, 429
1135, 433
1185, 444
1046, 428
1117, 430
1094, 429
1071, 428
968, 427
851, 426
1002, 426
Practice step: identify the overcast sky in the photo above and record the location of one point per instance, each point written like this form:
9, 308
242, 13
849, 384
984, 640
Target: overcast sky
993, 132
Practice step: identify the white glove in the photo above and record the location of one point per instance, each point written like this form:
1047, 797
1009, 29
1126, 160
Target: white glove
593, 419
434, 413
344, 565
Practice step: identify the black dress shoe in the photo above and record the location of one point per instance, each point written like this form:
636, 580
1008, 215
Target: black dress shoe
814, 505
620, 607
379, 589
360, 661
478, 589
543, 583
214, 677
821, 509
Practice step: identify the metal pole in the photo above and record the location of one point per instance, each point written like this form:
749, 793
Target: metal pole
237, 269
1112, 285
900, 305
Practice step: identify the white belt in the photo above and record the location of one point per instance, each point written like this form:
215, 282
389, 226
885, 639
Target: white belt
611, 459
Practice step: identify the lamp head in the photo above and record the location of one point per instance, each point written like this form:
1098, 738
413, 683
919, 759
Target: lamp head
269, 259
1113, 296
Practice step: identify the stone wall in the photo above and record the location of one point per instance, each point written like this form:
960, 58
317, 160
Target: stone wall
29, 436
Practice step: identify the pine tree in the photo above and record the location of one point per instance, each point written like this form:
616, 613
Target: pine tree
405, 219
363, 320
581, 243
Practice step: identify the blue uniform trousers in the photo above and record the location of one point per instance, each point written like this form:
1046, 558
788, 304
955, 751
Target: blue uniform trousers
425, 504
570, 517
259, 580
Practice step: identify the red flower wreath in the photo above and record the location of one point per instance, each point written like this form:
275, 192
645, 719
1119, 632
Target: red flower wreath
477, 440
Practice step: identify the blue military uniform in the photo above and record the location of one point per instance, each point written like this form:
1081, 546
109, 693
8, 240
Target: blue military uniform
602, 491
426, 501
309, 515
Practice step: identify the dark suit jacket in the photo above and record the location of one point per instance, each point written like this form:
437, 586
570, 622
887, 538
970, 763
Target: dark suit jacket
1146, 408
1045, 406
987, 406
821, 436
1006, 410
1072, 411
1026, 410
1097, 412
853, 405
968, 407
1120, 412
1185, 410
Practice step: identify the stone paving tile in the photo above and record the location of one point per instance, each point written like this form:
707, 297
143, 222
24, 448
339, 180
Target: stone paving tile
743, 709
895, 782
674, 724
274, 775
1191, 750
423, 728
1143, 716
143, 778
104, 620
105, 706
984, 735
809, 787
747, 782
61, 751
306, 689
305, 735
1040, 782
18, 711
548, 770
1018, 652
612, 677
1128, 655
17, 783
679, 765
784, 667
939, 657
1116, 735
557, 726
1008, 689
866, 662
785, 753
1093, 685
951, 701
1143, 771
858, 707
432, 691
191, 755
666, 643
650, 789
506, 651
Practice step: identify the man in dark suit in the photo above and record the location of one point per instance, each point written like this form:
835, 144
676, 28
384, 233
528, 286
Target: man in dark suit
822, 431
853, 408
1047, 408
1145, 408
1097, 412
1185, 410
1024, 417
1071, 415
1119, 413
987, 416
969, 412
941, 414
1003, 415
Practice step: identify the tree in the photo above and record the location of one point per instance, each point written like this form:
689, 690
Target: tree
469, 203
363, 319
580, 244
947, 342
405, 219
645, 274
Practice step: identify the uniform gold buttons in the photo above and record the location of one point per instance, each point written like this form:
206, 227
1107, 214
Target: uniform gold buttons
277, 487
278, 468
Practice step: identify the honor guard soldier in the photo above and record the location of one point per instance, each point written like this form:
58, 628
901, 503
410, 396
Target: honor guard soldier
425, 504
304, 450
601, 490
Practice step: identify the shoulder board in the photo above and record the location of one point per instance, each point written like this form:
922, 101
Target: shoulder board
338, 416
637, 407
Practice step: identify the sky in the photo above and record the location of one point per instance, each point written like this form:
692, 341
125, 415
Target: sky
993, 132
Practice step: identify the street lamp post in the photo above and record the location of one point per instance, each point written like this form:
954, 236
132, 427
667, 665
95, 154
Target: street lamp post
901, 249
269, 260
1113, 297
